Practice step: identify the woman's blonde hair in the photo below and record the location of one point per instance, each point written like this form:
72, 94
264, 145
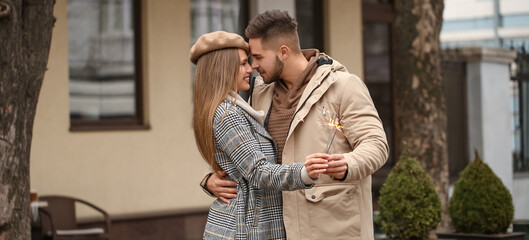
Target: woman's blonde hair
215, 78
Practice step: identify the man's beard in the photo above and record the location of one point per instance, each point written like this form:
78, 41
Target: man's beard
274, 75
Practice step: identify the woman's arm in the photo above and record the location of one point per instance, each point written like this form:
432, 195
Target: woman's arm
233, 135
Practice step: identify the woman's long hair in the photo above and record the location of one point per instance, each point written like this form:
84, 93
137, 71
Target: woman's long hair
215, 78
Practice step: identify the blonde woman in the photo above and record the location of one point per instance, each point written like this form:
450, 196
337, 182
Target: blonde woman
231, 137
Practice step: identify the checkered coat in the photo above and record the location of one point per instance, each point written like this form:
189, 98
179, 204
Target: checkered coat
248, 155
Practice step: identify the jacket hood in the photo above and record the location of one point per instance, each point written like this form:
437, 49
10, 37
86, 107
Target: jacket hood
326, 65
325, 59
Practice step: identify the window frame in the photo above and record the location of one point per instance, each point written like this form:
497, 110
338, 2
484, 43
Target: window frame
138, 121
382, 13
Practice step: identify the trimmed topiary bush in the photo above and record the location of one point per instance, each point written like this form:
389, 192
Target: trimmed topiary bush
409, 205
480, 203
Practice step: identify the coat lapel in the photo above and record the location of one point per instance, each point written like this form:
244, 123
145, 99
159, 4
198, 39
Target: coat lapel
318, 85
258, 127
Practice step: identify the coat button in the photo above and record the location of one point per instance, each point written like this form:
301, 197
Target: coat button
313, 196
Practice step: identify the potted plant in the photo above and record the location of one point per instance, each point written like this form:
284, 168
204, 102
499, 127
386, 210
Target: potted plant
481, 206
409, 205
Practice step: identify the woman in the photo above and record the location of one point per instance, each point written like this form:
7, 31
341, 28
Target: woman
230, 136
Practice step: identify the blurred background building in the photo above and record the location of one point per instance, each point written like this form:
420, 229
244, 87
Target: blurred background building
486, 23
500, 24
113, 123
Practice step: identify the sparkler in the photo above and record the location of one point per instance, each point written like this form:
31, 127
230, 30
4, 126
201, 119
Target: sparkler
334, 123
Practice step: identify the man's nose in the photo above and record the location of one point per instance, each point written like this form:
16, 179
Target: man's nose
254, 64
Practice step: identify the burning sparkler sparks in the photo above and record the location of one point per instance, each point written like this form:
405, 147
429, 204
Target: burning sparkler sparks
334, 123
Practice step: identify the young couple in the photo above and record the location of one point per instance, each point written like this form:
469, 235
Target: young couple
278, 143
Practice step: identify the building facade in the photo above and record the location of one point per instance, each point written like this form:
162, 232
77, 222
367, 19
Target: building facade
113, 122
499, 24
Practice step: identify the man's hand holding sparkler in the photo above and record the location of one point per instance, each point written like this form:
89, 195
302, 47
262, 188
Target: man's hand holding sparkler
337, 166
333, 165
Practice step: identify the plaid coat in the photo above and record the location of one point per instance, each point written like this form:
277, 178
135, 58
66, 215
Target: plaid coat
248, 155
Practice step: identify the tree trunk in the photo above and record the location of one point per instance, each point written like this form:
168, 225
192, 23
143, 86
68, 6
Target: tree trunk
418, 90
25, 36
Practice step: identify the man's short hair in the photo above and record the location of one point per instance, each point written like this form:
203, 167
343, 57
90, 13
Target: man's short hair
275, 28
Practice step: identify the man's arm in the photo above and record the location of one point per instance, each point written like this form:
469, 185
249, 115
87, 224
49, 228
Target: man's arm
364, 132
216, 186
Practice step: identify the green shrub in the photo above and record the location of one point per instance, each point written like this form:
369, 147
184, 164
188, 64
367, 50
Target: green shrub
409, 206
480, 203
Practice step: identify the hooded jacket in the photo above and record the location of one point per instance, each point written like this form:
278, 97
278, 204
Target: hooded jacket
332, 209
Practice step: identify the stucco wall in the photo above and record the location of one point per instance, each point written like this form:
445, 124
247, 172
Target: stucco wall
125, 171
520, 196
143, 171
489, 117
343, 33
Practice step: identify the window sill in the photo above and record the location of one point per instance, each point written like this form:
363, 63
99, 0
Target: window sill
109, 128
521, 175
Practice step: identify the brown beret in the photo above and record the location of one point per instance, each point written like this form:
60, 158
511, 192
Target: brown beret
214, 41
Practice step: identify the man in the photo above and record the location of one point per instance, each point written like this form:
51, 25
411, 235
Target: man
303, 93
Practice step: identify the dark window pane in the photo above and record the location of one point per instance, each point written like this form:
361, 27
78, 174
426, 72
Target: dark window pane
309, 14
522, 163
377, 52
377, 70
102, 61
520, 107
377, 60
454, 77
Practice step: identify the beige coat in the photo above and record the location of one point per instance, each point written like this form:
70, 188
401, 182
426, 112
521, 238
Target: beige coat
332, 209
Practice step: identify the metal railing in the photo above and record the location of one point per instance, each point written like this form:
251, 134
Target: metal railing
520, 76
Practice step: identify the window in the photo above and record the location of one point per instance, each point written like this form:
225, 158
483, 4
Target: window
104, 57
454, 73
515, 20
468, 24
522, 163
377, 31
213, 15
309, 14
520, 75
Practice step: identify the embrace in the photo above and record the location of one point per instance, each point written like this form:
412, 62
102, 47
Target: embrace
280, 169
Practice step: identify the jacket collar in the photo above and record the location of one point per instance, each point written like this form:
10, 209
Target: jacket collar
318, 85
